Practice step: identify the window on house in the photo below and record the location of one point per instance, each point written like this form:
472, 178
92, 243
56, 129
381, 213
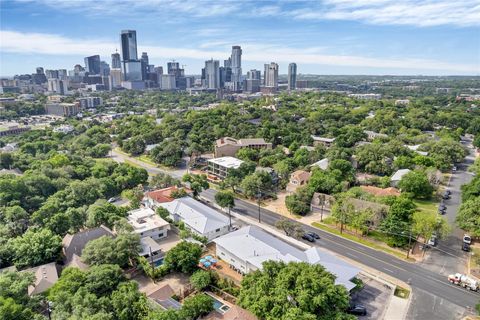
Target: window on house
160, 234
218, 230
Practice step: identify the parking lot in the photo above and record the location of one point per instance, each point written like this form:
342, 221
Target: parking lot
375, 296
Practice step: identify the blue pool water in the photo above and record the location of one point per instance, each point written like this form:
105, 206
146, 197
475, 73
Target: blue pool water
158, 263
219, 306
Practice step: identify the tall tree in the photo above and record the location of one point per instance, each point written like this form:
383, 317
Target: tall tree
225, 199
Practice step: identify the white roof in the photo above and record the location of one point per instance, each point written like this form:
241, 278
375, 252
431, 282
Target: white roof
144, 219
323, 139
322, 164
227, 162
397, 176
415, 148
255, 246
196, 215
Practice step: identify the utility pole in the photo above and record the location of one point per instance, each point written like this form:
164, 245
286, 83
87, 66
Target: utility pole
409, 242
259, 194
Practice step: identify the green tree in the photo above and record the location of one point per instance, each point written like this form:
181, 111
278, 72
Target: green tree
198, 182
468, 217
343, 211
201, 279
416, 183
196, 306
299, 202
225, 199
291, 228
305, 290
128, 303
427, 223
121, 250
102, 212
14, 285
183, 257
35, 247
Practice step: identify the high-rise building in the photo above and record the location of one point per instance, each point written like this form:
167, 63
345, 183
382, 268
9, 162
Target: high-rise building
172, 67
115, 78
132, 67
236, 65
116, 62
62, 74
58, 86
292, 76
254, 75
104, 69
39, 77
144, 61
168, 82
40, 70
212, 74
270, 75
92, 64
51, 74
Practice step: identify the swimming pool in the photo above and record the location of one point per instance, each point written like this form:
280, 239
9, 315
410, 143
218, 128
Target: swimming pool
219, 305
158, 263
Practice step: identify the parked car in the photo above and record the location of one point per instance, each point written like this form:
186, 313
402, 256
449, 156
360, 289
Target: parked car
432, 241
358, 310
308, 237
467, 239
454, 168
446, 196
448, 192
314, 235
112, 200
465, 247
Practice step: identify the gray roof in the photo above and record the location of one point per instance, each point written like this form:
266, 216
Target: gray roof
74, 243
397, 176
46, 276
255, 246
196, 215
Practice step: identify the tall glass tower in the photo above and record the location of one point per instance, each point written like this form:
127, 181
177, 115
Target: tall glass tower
132, 68
292, 76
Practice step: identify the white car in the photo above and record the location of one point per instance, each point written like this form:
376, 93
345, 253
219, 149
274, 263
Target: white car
467, 239
454, 168
433, 241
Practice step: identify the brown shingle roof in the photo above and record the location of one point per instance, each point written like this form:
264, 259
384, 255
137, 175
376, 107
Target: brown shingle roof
381, 192
164, 195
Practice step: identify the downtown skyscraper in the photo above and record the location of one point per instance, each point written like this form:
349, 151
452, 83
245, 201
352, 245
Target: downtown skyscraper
270, 75
292, 76
236, 66
212, 74
132, 67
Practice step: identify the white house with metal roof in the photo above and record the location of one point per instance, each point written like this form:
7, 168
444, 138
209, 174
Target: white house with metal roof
198, 217
397, 176
246, 250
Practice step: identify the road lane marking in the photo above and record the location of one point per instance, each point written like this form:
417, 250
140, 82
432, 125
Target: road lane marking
388, 270
351, 255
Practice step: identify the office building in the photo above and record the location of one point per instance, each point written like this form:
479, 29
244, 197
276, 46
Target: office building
144, 63
212, 74
167, 82
58, 86
116, 62
132, 67
104, 69
92, 64
90, 102
270, 75
236, 65
252, 85
62, 109
39, 77
254, 74
292, 76
62, 74
220, 167
51, 74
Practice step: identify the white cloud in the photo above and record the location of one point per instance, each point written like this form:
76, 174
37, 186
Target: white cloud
422, 13
51, 44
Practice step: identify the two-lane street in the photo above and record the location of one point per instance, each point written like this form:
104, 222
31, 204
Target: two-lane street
427, 285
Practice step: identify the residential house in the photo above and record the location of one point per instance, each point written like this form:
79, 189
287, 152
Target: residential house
415, 148
371, 135
219, 167
327, 142
322, 164
234, 312
397, 176
163, 298
381, 192
246, 249
45, 277
378, 210
146, 223
152, 199
198, 217
228, 146
73, 244
297, 179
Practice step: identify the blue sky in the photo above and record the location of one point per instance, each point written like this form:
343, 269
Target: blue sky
430, 37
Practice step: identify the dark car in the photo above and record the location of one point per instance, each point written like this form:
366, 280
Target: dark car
445, 196
308, 237
465, 247
313, 235
442, 210
358, 310
448, 192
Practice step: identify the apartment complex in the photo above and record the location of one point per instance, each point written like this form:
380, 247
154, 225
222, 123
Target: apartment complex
228, 146
219, 167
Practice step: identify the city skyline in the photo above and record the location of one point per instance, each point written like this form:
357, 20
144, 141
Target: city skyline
331, 37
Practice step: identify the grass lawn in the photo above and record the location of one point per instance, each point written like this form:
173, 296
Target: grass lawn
364, 241
146, 159
427, 205
475, 262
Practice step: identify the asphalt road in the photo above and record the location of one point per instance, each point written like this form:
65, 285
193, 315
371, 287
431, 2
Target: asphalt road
434, 297
447, 257
430, 283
